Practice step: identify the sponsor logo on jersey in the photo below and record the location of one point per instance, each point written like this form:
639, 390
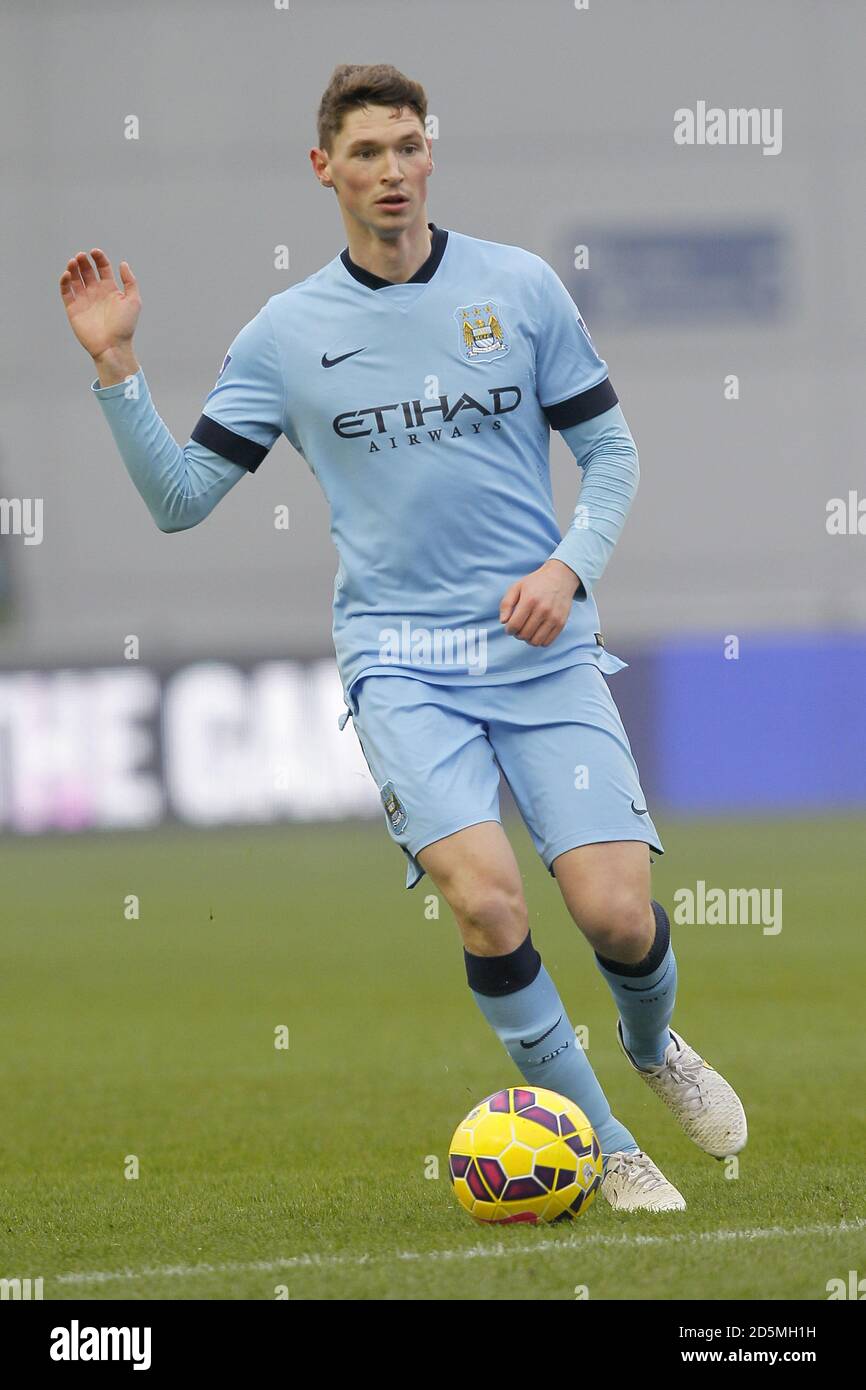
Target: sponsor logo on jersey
226, 360
351, 424
482, 331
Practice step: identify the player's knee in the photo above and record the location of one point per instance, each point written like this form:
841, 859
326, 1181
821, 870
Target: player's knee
621, 926
492, 917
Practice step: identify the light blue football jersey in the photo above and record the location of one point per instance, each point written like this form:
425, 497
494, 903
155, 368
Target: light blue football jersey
424, 410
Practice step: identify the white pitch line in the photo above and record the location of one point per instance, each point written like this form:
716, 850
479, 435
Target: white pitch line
488, 1252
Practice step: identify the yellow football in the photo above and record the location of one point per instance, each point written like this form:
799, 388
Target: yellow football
525, 1154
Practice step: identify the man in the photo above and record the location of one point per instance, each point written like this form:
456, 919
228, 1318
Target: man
419, 373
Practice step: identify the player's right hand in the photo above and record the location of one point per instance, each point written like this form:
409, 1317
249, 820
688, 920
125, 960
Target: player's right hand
102, 314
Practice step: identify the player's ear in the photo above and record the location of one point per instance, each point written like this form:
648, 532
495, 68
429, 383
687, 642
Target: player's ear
319, 162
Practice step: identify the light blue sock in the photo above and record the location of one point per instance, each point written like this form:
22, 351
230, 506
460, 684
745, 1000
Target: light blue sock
520, 1002
645, 994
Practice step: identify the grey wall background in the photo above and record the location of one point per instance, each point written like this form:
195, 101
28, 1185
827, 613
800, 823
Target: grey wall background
551, 120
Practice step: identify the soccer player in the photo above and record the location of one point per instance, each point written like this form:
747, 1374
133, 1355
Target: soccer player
419, 374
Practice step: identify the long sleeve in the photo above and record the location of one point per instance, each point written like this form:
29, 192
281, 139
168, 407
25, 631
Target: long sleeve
242, 418
180, 486
606, 451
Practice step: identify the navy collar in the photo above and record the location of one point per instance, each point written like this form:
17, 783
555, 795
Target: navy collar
424, 272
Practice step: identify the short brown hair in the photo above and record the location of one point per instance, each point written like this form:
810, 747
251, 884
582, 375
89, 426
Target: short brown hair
354, 85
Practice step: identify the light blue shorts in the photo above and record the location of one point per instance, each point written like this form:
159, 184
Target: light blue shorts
436, 751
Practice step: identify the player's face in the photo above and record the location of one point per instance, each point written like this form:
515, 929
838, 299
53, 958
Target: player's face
379, 156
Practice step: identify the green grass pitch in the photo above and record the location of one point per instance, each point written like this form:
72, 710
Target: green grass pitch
304, 1167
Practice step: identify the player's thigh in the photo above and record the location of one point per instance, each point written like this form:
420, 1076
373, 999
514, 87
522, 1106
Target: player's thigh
431, 761
562, 747
477, 874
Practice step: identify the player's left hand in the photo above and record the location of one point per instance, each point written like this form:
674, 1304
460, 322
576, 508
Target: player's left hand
536, 608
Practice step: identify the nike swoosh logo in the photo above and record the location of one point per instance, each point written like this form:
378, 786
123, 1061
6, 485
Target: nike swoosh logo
536, 1041
638, 810
332, 361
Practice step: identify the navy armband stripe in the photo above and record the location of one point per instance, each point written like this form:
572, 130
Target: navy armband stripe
584, 406
229, 445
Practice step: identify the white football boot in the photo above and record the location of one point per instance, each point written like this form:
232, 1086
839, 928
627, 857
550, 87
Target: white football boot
707, 1107
632, 1182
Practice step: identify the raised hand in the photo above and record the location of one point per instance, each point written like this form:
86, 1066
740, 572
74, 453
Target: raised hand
102, 315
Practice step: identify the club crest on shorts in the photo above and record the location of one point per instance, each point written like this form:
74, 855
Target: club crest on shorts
396, 812
483, 334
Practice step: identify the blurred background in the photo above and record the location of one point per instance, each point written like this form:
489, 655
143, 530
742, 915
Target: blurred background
189, 678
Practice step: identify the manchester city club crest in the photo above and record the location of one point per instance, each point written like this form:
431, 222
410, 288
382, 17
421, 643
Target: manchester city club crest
483, 334
396, 812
